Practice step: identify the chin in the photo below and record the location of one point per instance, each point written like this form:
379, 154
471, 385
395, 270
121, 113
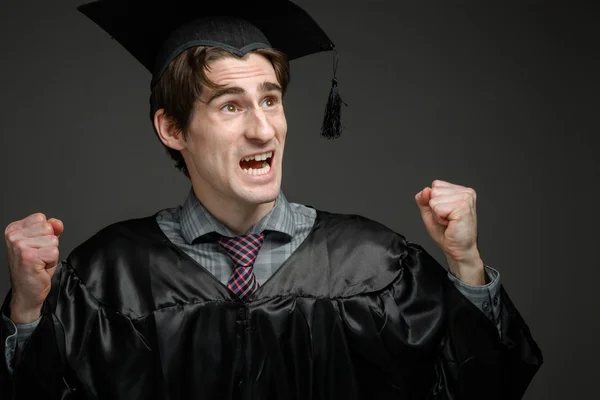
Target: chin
265, 199
261, 196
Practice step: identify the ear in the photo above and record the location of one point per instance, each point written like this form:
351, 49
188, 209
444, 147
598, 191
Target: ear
167, 131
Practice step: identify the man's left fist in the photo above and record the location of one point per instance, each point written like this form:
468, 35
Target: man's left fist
450, 217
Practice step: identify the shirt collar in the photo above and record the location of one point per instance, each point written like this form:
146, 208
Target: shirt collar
196, 221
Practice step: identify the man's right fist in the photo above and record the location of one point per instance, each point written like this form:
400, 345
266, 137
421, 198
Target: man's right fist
32, 245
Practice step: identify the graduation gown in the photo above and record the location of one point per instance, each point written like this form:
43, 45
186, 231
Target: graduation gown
356, 312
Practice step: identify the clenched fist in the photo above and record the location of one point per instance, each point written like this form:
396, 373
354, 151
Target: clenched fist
450, 217
32, 245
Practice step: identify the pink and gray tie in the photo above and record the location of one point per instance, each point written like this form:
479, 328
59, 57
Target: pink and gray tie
243, 250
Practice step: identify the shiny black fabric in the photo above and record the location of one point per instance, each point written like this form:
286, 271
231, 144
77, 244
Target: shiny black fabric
357, 312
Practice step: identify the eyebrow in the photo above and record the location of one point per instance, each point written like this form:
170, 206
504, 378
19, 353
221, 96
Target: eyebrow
269, 87
263, 87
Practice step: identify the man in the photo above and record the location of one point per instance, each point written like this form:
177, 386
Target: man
238, 293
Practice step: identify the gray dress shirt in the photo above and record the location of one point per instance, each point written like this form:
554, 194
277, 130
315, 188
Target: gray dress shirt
192, 228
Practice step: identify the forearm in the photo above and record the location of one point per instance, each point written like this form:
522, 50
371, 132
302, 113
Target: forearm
468, 267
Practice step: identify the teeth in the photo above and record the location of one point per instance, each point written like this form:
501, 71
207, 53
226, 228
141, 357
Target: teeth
259, 157
260, 171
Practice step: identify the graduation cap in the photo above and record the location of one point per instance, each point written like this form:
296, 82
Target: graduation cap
156, 32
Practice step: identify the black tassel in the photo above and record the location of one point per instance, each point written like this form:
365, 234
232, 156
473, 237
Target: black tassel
332, 122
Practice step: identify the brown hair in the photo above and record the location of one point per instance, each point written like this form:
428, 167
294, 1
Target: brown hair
181, 85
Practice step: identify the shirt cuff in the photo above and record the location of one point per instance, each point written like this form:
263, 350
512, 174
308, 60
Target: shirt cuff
17, 337
486, 297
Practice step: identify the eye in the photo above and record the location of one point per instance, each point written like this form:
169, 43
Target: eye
269, 102
229, 107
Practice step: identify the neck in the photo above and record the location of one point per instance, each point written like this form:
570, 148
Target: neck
238, 217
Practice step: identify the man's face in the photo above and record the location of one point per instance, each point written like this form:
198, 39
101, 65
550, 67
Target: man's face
234, 149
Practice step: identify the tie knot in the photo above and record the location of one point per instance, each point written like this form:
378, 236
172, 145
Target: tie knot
243, 250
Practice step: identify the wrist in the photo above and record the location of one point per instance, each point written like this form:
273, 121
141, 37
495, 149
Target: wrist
469, 268
21, 313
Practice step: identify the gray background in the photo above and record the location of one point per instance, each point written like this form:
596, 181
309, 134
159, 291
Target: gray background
499, 98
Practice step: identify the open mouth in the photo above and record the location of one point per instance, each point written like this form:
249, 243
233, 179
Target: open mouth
257, 164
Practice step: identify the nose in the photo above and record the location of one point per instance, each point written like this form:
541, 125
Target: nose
260, 127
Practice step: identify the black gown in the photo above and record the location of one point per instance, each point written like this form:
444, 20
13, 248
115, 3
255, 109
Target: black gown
356, 312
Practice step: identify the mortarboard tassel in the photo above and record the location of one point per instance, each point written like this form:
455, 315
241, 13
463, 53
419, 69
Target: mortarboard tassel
332, 122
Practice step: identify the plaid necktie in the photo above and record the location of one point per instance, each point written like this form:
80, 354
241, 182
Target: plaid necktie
243, 251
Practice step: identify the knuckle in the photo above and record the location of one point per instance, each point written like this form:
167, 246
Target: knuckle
54, 252
54, 241
47, 229
9, 228
20, 245
38, 217
28, 256
11, 237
